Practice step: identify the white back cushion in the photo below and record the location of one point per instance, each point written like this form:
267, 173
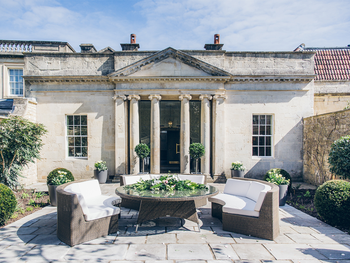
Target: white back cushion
90, 188
199, 179
131, 179
255, 189
237, 187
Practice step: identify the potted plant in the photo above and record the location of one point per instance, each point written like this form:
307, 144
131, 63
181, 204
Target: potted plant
142, 151
101, 172
237, 169
278, 179
197, 151
54, 179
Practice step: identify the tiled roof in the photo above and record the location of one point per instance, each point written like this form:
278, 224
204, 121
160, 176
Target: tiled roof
332, 63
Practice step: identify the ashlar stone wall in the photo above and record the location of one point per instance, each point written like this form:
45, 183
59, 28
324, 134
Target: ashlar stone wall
319, 133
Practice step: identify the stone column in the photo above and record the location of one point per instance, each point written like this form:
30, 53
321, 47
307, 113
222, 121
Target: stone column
120, 134
185, 134
205, 132
155, 134
134, 133
218, 137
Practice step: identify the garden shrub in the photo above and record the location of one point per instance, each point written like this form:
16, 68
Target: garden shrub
284, 173
332, 202
8, 203
339, 157
53, 174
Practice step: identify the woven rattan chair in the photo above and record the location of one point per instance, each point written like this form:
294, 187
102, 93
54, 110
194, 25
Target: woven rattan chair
72, 228
265, 226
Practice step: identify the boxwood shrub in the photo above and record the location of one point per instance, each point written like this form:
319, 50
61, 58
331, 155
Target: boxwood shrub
339, 157
8, 203
284, 173
332, 202
54, 173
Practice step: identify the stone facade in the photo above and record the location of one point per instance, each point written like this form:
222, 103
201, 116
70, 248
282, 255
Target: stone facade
231, 87
319, 133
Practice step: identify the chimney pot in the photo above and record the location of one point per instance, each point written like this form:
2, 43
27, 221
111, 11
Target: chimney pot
216, 39
132, 39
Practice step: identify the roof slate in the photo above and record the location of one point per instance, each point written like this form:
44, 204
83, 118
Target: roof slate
332, 63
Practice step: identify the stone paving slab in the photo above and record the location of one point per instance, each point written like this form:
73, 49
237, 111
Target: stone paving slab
303, 239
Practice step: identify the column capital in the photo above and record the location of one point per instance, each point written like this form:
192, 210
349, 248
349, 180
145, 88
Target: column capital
154, 96
219, 96
205, 96
185, 96
136, 97
119, 97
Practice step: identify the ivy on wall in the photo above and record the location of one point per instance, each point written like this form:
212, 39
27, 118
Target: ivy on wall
319, 133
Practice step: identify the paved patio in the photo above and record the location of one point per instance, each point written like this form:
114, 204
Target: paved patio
303, 239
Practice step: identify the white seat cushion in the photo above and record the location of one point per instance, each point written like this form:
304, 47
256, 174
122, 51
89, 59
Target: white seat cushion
101, 206
237, 187
235, 204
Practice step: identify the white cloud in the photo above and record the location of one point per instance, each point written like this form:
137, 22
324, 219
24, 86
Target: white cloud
184, 24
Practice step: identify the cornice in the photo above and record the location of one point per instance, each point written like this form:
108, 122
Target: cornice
271, 78
65, 79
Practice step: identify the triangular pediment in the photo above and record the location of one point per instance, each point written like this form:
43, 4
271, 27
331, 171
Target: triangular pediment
169, 63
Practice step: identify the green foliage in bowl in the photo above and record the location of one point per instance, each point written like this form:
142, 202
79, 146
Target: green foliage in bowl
59, 176
165, 183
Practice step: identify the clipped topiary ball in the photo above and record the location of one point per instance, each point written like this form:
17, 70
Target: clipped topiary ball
54, 174
332, 202
8, 203
284, 173
339, 157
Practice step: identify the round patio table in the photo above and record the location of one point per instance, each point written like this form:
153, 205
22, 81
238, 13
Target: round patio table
155, 204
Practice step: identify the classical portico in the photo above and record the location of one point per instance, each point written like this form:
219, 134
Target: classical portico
165, 79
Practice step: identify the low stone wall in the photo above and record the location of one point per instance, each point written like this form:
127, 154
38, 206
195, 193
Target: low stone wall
319, 133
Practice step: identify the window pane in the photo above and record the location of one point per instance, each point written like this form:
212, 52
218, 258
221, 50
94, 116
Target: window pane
255, 130
76, 120
268, 151
77, 141
268, 130
262, 130
83, 130
268, 140
255, 151
261, 141
70, 130
255, 140
83, 120
70, 141
255, 119
78, 152
84, 141
76, 130
262, 119
71, 151
261, 151
84, 151
268, 119
69, 120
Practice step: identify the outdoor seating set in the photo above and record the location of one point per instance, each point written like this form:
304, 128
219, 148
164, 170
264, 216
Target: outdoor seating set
247, 206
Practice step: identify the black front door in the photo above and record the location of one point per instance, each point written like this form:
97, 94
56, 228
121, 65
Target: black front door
170, 150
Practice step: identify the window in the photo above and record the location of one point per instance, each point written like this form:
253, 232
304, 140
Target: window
16, 82
77, 136
262, 135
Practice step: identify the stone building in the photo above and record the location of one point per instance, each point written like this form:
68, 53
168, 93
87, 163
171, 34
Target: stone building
332, 81
245, 106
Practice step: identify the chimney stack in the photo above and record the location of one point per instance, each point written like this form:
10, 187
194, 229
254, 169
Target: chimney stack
132, 46
216, 45
87, 48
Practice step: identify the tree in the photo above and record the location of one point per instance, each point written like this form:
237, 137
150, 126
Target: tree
20, 144
197, 151
339, 157
142, 151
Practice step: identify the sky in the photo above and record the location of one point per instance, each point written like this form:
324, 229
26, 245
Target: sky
243, 25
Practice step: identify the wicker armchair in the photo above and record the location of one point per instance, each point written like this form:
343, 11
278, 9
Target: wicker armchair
266, 225
72, 226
